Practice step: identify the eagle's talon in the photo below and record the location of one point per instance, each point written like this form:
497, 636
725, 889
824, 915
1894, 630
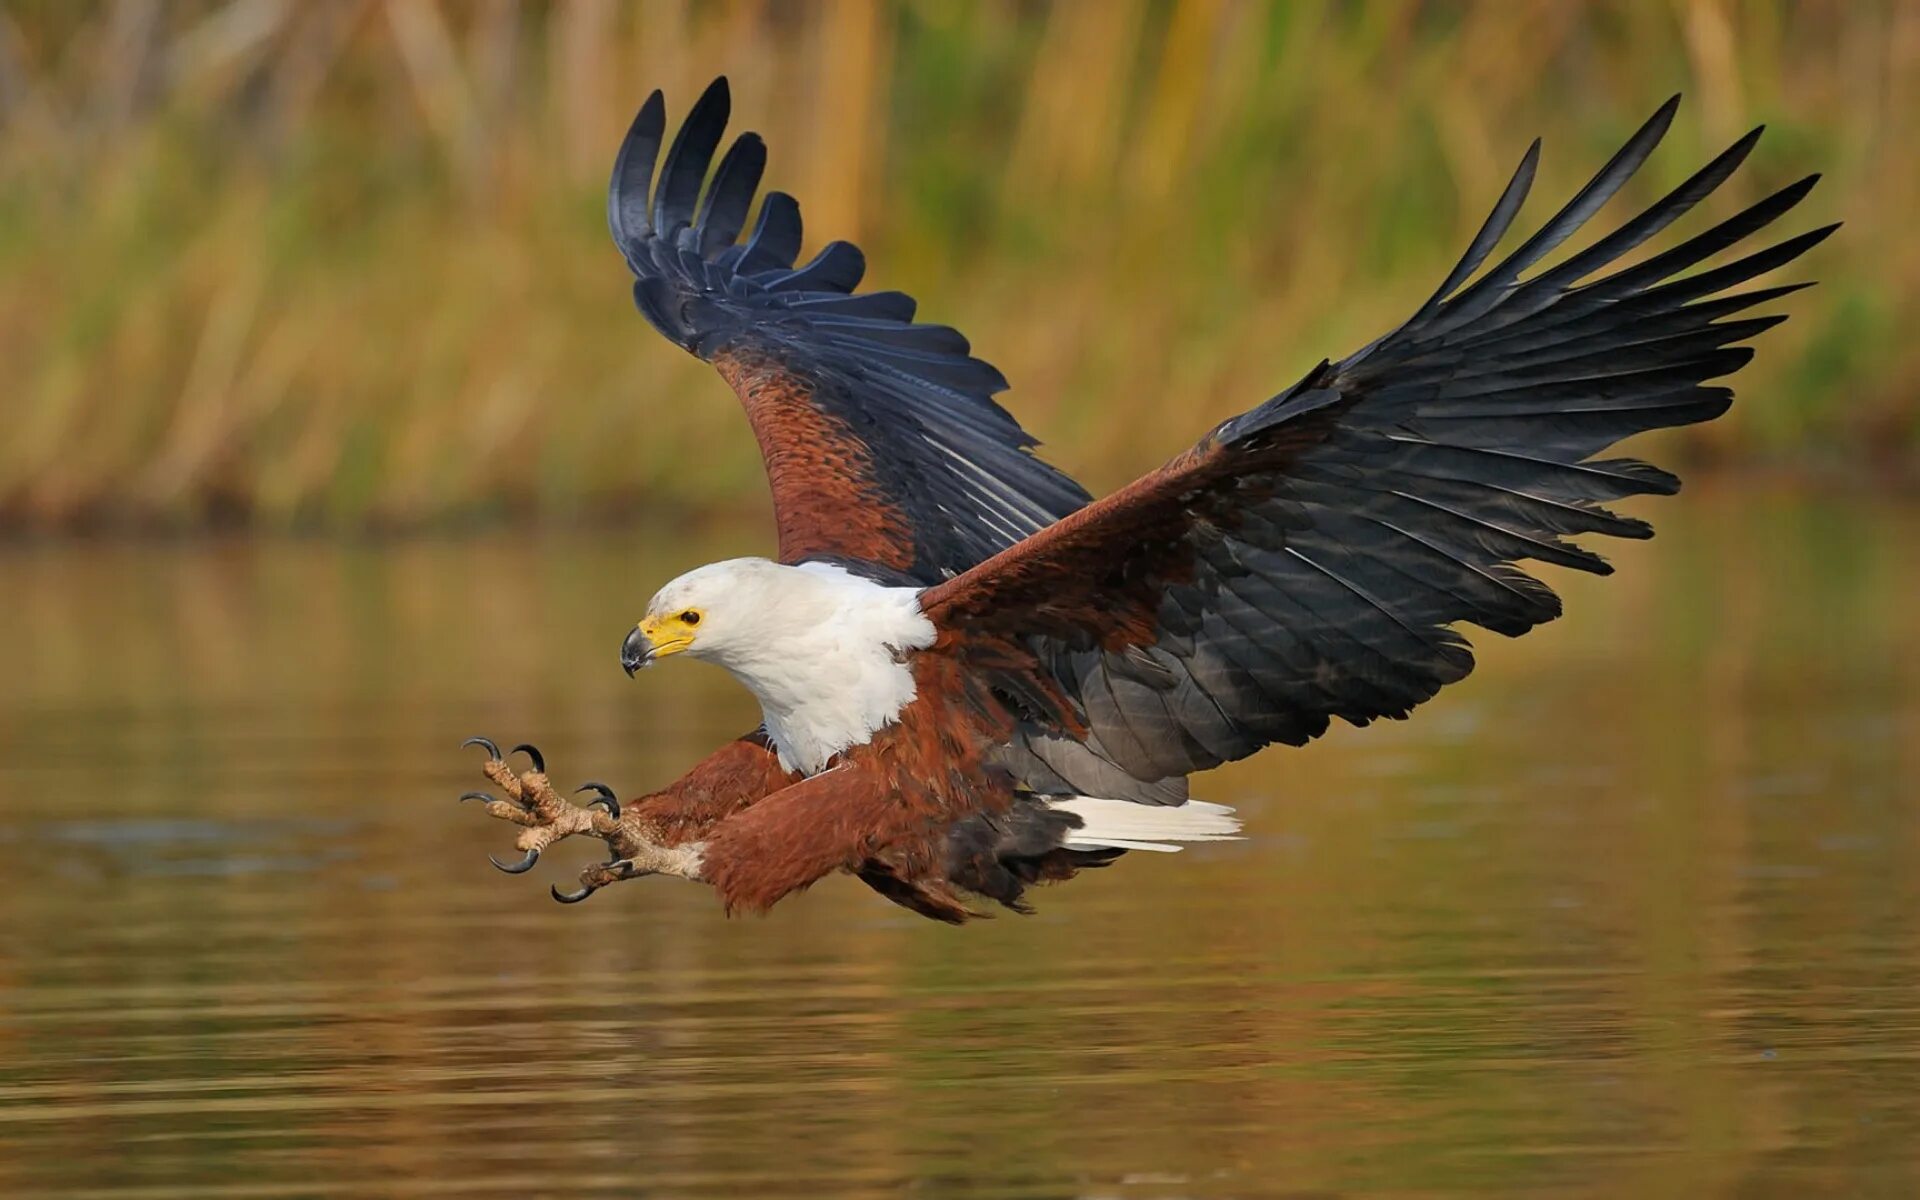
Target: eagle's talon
603, 797
621, 869
571, 897
519, 868
548, 816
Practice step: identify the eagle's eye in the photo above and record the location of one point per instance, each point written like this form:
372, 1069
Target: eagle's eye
689, 617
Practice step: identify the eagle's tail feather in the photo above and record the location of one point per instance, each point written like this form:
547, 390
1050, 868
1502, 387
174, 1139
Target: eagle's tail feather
1125, 825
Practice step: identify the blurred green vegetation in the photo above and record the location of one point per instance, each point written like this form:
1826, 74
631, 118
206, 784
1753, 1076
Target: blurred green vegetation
342, 263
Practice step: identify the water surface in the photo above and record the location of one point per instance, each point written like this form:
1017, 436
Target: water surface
1633, 911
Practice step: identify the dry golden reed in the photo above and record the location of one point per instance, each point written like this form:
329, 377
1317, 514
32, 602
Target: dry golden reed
342, 263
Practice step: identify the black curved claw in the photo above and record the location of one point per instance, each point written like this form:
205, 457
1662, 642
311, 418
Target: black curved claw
524, 865
487, 744
570, 897
603, 797
539, 763
489, 797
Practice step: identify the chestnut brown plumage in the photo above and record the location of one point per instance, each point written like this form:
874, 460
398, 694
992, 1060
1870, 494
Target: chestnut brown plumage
1313, 558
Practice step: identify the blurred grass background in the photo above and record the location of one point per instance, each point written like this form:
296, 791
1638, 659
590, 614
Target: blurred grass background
342, 263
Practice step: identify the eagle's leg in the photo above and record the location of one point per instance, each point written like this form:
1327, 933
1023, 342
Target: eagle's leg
640, 858
547, 817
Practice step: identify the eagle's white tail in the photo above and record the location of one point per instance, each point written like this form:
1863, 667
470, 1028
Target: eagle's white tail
1124, 825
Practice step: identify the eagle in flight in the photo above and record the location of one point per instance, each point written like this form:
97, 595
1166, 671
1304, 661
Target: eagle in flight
975, 677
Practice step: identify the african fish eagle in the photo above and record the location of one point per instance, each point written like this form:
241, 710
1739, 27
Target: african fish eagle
975, 677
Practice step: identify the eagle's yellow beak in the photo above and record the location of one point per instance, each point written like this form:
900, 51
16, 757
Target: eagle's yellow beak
654, 638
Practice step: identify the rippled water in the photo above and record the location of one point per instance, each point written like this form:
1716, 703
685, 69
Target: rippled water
1634, 911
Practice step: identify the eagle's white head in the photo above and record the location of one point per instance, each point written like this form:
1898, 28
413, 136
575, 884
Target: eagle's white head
724, 611
822, 649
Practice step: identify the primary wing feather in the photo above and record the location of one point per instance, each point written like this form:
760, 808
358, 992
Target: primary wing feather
1312, 558
884, 446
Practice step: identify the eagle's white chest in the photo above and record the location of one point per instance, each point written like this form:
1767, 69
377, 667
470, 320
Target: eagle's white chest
832, 668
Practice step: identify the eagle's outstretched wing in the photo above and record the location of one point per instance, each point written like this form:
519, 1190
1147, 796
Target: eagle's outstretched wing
1309, 559
881, 437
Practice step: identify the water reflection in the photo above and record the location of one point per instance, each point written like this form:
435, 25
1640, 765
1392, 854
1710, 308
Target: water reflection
1632, 911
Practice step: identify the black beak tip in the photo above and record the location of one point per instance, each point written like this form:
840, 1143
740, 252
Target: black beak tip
636, 652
